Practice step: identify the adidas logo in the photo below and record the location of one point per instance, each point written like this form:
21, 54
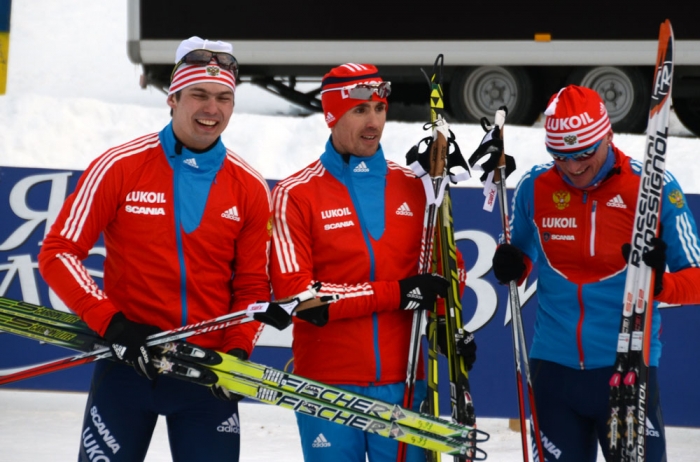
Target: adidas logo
191, 162
415, 293
230, 425
232, 214
119, 350
321, 442
617, 202
404, 210
651, 431
412, 304
361, 167
329, 118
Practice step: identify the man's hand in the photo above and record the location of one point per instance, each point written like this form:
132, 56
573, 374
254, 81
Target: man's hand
465, 344
420, 292
127, 340
654, 258
508, 264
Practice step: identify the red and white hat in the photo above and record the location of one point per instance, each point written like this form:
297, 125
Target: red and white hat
337, 103
576, 119
186, 75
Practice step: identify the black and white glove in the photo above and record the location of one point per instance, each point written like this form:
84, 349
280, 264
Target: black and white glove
279, 314
224, 394
465, 344
307, 306
508, 263
421, 291
127, 340
491, 146
654, 258
276, 314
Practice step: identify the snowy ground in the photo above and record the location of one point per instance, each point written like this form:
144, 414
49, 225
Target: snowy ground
39, 426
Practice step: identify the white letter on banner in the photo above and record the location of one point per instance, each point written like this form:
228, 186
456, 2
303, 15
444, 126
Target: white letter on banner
18, 204
486, 299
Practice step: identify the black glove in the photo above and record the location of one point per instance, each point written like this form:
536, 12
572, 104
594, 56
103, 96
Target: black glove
654, 258
224, 394
491, 146
279, 314
276, 314
465, 343
508, 263
318, 315
420, 292
127, 340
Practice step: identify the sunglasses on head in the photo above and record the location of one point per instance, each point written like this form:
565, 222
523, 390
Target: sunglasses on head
203, 57
579, 156
365, 90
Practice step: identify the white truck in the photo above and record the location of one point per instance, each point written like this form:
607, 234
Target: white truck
510, 52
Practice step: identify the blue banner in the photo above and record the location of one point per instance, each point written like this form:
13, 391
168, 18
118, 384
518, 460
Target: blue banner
31, 199
5, 7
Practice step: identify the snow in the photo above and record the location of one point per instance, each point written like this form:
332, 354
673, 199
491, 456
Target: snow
72, 93
46, 426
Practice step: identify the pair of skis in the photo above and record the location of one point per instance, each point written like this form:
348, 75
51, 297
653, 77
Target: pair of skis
207, 367
434, 167
628, 385
18, 317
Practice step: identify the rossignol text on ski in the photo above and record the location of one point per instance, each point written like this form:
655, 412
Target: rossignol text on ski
628, 385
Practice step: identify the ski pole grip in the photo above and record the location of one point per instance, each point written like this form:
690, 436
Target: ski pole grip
500, 121
438, 149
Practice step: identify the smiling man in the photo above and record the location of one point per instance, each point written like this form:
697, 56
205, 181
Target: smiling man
571, 219
186, 226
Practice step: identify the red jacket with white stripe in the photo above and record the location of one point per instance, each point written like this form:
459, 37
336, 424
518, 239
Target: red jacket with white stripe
187, 239
355, 224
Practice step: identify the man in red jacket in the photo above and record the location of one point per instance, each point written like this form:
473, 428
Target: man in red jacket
186, 226
353, 221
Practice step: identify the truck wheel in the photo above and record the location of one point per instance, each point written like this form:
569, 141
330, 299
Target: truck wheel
625, 92
688, 112
479, 92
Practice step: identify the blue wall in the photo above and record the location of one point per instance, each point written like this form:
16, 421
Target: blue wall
31, 198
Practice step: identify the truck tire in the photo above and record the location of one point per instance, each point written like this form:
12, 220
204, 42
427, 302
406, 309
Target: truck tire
626, 93
688, 112
479, 92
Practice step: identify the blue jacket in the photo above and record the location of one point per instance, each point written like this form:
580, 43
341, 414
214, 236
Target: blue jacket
574, 237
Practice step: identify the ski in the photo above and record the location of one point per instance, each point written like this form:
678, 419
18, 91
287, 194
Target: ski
238, 375
628, 385
354, 413
433, 160
492, 145
440, 161
66, 337
93, 347
462, 406
35, 317
309, 388
41, 313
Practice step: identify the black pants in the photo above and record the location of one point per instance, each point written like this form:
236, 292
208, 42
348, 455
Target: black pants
123, 408
572, 409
